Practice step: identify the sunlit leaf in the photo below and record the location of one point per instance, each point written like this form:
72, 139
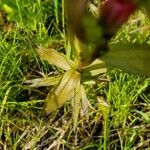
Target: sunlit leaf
85, 103
63, 92
40, 82
78, 47
91, 72
55, 58
103, 107
76, 105
7, 8
133, 58
93, 9
146, 116
95, 68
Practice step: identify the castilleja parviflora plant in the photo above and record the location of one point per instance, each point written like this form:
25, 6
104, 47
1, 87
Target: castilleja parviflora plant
89, 36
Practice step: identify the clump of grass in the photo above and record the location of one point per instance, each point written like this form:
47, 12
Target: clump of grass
22, 124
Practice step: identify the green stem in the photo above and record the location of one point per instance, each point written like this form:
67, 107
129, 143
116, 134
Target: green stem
63, 17
105, 132
19, 11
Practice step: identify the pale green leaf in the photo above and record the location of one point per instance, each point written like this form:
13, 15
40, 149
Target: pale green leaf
96, 68
76, 105
85, 103
103, 107
55, 58
91, 72
4, 101
41, 82
63, 92
133, 58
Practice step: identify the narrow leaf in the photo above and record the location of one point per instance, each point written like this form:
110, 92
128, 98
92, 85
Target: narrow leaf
55, 58
76, 104
95, 68
133, 58
63, 92
41, 82
85, 103
103, 107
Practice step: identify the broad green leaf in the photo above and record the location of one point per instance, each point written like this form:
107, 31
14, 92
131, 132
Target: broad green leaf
133, 58
63, 92
93, 30
75, 12
55, 58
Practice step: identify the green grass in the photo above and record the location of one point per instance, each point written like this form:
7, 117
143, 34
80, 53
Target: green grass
124, 125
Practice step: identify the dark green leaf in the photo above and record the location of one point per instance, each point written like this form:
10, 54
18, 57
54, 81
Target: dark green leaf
11, 4
75, 12
133, 58
145, 3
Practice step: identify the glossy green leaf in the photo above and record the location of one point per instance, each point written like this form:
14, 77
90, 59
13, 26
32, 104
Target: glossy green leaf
133, 58
63, 92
